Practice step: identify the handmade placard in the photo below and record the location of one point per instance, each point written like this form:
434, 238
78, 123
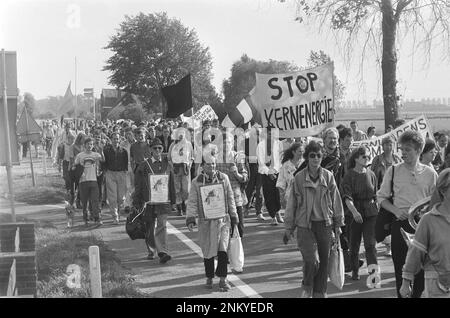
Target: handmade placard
158, 188
213, 201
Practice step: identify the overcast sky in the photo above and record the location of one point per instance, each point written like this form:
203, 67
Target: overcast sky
47, 40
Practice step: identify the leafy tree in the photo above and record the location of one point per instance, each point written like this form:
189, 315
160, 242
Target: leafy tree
319, 58
380, 25
152, 51
243, 79
29, 102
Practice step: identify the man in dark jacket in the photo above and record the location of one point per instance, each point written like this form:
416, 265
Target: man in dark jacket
151, 193
116, 166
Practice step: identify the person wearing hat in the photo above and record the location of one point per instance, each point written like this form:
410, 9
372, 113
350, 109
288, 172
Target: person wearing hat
155, 238
140, 150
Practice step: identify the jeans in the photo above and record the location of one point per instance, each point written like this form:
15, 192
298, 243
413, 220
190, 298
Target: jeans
89, 192
367, 231
156, 238
399, 249
315, 245
254, 185
116, 189
66, 176
222, 265
240, 226
271, 195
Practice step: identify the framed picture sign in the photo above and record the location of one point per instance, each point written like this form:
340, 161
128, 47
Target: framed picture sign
158, 188
213, 200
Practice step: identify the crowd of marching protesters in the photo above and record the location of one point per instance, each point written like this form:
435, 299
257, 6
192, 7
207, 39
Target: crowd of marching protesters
321, 189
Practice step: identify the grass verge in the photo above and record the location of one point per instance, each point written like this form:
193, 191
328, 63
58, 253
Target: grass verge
48, 190
56, 249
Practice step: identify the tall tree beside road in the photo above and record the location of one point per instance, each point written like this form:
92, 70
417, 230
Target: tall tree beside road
152, 51
380, 25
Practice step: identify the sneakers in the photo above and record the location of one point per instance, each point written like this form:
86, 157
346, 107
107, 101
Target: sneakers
260, 217
305, 293
98, 223
116, 221
224, 285
164, 258
274, 222
355, 275
279, 217
209, 283
150, 255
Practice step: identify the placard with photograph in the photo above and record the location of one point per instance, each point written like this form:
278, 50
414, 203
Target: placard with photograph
213, 200
159, 188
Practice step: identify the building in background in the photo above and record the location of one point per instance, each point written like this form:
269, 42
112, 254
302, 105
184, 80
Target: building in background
108, 100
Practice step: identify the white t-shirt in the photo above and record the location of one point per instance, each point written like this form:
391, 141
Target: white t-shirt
90, 162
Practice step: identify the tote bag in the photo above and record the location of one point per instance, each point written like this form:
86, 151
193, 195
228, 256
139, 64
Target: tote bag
336, 267
385, 218
236, 251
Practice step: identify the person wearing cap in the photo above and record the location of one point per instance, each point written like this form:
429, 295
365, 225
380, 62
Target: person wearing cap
140, 150
213, 233
181, 155
155, 238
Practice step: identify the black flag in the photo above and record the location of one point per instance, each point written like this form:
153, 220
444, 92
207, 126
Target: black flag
178, 97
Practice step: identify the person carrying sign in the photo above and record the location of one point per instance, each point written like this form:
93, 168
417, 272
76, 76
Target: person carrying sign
155, 191
211, 200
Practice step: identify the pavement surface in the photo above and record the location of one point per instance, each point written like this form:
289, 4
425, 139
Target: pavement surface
272, 269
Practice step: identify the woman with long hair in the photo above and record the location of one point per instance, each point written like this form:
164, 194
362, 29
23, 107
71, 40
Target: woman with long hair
292, 159
75, 149
359, 195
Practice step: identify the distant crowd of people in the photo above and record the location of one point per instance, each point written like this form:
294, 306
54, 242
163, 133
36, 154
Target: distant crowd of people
321, 189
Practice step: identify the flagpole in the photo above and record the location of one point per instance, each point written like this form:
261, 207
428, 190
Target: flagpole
76, 99
8, 141
28, 135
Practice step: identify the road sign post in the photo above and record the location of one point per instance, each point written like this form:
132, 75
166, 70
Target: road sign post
7, 137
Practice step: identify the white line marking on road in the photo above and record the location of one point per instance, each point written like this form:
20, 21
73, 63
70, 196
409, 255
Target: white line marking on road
243, 287
55, 206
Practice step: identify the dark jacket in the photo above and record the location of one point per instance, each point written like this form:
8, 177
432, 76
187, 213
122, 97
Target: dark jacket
141, 192
169, 142
115, 160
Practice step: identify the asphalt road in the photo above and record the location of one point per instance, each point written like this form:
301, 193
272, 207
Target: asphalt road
272, 269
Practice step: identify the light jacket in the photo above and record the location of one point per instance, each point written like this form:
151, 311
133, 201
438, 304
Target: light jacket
301, 200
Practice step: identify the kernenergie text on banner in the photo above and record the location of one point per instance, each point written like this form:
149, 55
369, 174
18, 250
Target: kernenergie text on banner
299, 104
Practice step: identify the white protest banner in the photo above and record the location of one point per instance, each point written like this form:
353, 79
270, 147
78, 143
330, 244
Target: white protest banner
205, 113
300, 104
374, 145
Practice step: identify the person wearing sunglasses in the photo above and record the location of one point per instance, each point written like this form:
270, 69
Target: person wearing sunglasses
359, 195
412, 182
430, 248
155, 238
314, 208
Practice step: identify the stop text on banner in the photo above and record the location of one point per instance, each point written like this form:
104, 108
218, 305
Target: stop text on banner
300, 104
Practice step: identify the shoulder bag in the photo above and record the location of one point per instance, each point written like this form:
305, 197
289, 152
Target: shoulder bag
385, 218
